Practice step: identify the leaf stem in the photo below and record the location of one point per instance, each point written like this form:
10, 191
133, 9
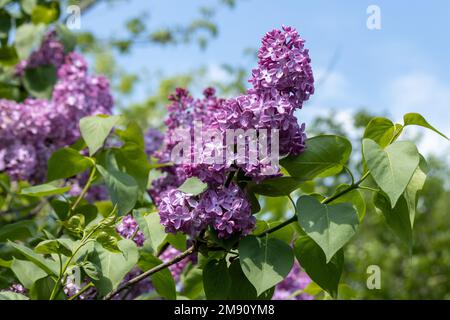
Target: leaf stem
85, 189
83, 290
325, 201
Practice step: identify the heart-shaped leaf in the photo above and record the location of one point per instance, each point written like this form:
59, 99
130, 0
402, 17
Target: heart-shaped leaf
265, 261
393, 167
330, 226
95, 130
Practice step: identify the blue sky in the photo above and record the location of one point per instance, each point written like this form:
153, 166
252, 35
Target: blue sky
403, 67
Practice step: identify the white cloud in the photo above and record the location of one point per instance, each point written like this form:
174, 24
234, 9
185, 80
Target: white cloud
427, 95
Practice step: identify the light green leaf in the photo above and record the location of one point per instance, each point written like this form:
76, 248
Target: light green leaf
393, 167
27, 272
419, 120
330, 226
380, 130
193, 186
153, 230
114, 266
265, 261
324, 156
66, 163
53, 246
122, 188
49, 266
28, 5
45, 12
9, 295
313, 261
216, 280
67, 38
28, 38
95, 130
414, 186
44, 190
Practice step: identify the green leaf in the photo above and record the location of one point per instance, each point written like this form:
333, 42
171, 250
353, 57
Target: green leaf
91, 270
8, 57
414, 186
53, 246
419, 120
153, 230
95, 130
162, 280
397, 218
44, 190
45, 12
28, 5
67, 38
393, 167
216, 280
380, 130
330, 226
114, 266
42, 289
265, 261
314, 262
66, 163
49, 266
28, 38
18, 231
324, 156
193, 186
27, 272
9, 295
5, 24
276, 187
193, 283
354, 197
122, 188
241, 288
131, 157
40, 81
178, 241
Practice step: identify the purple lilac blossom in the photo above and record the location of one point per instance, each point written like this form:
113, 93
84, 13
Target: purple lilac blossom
282, 82
32, 130
153, 139
128, 229
295, 281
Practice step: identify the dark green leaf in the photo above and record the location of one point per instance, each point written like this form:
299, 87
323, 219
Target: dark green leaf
324, 156
49, 266
66, 163
354, 197
18, 231
276, 187
314, 262
40, 81
397, 218
122, 188
216, 280
162, 280
42, 289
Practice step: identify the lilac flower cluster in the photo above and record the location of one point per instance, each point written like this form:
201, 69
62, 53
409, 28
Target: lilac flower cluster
295, 281
128, 229
30, 131
282, 82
